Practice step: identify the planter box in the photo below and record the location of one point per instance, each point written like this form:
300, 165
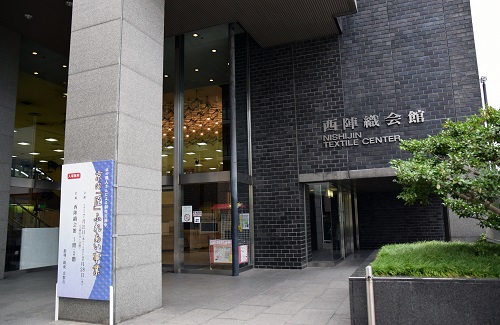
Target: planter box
405, 300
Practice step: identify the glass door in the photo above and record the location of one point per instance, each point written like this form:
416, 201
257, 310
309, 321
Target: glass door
330, 222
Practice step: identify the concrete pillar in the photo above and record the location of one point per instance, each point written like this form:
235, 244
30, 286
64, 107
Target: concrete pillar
10, 44
114, 112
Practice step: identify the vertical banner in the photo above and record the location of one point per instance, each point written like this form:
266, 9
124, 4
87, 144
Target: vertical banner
86, 229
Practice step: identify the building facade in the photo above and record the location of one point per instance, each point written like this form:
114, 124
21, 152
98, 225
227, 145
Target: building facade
291, 113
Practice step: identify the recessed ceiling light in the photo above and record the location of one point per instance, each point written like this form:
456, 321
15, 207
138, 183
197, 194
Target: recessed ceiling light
211, 80
166, 76
190, 153
65, 94
35, 73
202, 144
184, 160
51, 139
218, 150
196, 70
34, 53
15, 131
14, 156
34, 153
222, 163
43, 161
65, 66
214, 50
23, 143
208, 158
170, 147
212, 168
61, 158
198, 165
164, 155
58, 150
195, 35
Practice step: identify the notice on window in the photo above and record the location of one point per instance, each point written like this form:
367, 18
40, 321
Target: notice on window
221, 252
187, 213
245, 220
86, 229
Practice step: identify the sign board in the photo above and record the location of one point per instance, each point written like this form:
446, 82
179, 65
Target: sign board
221, 252
86, 229
187, 213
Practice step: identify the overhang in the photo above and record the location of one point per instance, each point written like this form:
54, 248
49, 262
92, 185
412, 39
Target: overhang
269, 22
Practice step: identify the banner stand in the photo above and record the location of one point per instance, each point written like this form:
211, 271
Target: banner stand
111, 305
57, 305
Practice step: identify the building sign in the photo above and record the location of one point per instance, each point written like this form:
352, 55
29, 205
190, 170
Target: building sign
348, 131
86, 229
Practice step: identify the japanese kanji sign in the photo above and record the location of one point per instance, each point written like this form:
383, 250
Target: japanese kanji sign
347, 131
86, 228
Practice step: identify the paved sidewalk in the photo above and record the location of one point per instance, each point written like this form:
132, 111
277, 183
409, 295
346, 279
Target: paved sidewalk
315, 295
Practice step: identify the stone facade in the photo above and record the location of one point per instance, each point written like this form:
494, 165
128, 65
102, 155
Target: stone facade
393, 58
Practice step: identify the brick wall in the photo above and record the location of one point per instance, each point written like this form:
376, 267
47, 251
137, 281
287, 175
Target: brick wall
394, 57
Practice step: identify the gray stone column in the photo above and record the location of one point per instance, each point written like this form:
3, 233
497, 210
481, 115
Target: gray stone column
114, 112
10, 44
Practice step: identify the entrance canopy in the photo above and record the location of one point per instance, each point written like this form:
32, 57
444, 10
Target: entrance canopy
268, 22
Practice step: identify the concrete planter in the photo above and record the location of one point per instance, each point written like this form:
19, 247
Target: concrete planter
405, 300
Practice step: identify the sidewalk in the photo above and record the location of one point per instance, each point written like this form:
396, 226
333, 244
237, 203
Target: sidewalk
315, 295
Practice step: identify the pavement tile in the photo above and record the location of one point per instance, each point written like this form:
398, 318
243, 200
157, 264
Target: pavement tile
196, 316
311, 316
269, 319
285, 307
263, 300
242, 312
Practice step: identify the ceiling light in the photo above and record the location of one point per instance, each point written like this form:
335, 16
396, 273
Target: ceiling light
212, 168
51, 139
35, 73
61, 158
195, 35
15, 131
216, 132
208, 118
202, 144
28, 16
23, 143
214, 50
164, 155
218, 150
34, 53
190, 153
222, 163
69, 3
14, 157
170, 147
211, 80
65, 94
58, 150
187, 135
198, 165
184, 160
166, 76
65, 66
208, 158
43, 161
185, 127
193, 131
196, 70
34, 153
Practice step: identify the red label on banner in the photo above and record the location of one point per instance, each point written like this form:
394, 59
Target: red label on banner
73, 175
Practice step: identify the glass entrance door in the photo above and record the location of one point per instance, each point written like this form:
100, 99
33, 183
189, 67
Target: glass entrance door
330, 222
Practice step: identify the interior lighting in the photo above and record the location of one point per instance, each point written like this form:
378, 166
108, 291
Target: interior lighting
61, 158
43, 161
14, 157
164, 134
211, 80
195, 35
208, 118
218, 150
198, 165
15, 131
212, 168
184, 160
34, 153
34, 53
170, 147
208, 158
23, 143
58, 150
216, 132
190, 153
51, 139
196, 70
35, 73
164, 155
185, 127
28, 16
65, 66
193, 131
202, 144
187, 135
214, 50
166, 76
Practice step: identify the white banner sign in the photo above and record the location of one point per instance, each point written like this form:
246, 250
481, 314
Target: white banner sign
86, 229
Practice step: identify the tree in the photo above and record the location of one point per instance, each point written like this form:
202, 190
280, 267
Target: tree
461, 165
